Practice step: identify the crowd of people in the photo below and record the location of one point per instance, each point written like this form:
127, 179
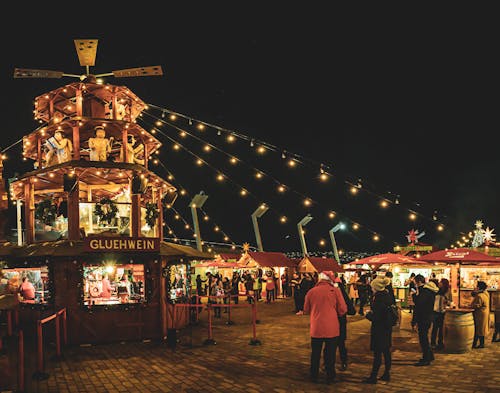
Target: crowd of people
328, 302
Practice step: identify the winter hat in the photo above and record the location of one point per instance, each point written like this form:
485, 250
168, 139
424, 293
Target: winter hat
329, 274
379, 283
326, 276
432, 286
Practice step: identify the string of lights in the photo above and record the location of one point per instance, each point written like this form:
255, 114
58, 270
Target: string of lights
324, 169
244, 190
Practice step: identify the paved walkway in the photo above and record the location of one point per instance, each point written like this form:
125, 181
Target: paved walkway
280, 364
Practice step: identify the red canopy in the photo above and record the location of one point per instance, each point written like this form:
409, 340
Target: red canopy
218, 264
458, 255
389, 257
319, 264
271, 259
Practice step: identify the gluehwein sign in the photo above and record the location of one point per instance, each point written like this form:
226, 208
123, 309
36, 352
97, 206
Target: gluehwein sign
121, 244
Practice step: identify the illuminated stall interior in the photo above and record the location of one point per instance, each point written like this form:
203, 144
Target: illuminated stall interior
37, 276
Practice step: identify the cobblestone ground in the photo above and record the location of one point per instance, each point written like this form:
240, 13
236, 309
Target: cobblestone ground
279, 364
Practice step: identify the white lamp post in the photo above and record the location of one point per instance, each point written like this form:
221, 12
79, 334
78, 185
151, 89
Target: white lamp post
258, 213
303, 223
336, 228
197, 203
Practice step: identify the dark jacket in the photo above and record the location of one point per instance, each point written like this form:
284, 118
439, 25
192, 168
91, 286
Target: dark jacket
381, 329
343, 318
423, 312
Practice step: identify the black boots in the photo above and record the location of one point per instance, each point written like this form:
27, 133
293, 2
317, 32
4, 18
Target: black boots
385, 376
481, 342
371, 379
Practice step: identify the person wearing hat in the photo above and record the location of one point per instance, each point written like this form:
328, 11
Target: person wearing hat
381, 329
324, 303
100, 146
423, 315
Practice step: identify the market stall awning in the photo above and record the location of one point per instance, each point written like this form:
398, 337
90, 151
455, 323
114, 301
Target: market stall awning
68, 248
458, 255
388, 258
218, 264
318, 264
230, 257
266, 259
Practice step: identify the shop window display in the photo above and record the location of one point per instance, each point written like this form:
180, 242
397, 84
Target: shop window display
178, 283
113, 284
30, 284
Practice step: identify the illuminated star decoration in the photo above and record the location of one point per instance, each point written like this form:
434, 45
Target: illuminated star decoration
413, 236
489, 236
246, 247
478, 224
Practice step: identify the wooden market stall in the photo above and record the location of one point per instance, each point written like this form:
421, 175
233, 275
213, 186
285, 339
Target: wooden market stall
310, 264
400, 265
275, 262
467, 267
90, 229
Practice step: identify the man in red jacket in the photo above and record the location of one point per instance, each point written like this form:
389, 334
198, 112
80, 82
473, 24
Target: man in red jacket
324, 303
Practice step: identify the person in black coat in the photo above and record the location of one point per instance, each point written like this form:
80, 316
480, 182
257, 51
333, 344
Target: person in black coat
363, 292
381, 329
423, 315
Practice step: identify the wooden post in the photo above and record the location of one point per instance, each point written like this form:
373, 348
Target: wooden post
163, 299
160, 217
39, 151
29, 211
124, 145
76, 142
136, 215
74, 212
114, 114
79, 102
146, 154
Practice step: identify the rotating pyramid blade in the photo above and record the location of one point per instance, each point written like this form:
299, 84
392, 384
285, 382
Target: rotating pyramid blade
86, 51
32, 73
140, 71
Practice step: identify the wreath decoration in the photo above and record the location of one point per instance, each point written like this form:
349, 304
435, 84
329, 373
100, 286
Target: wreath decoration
106, 210
152, 213
46, 211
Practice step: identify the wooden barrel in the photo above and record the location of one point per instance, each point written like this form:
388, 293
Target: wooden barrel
458, 330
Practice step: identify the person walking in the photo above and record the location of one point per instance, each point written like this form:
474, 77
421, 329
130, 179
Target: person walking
423, 314
381, 329
324, 303
353, 291
199, 287
442, 300
481, 305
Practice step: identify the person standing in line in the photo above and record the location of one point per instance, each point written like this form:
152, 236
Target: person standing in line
481, 305
324, 303
381, 329
442, 300
423, 314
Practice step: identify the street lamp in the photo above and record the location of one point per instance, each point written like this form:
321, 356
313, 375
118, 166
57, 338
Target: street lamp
197, 203
336, 228
258, 213
303, 223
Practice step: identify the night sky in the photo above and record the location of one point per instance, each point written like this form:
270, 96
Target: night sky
406, 104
